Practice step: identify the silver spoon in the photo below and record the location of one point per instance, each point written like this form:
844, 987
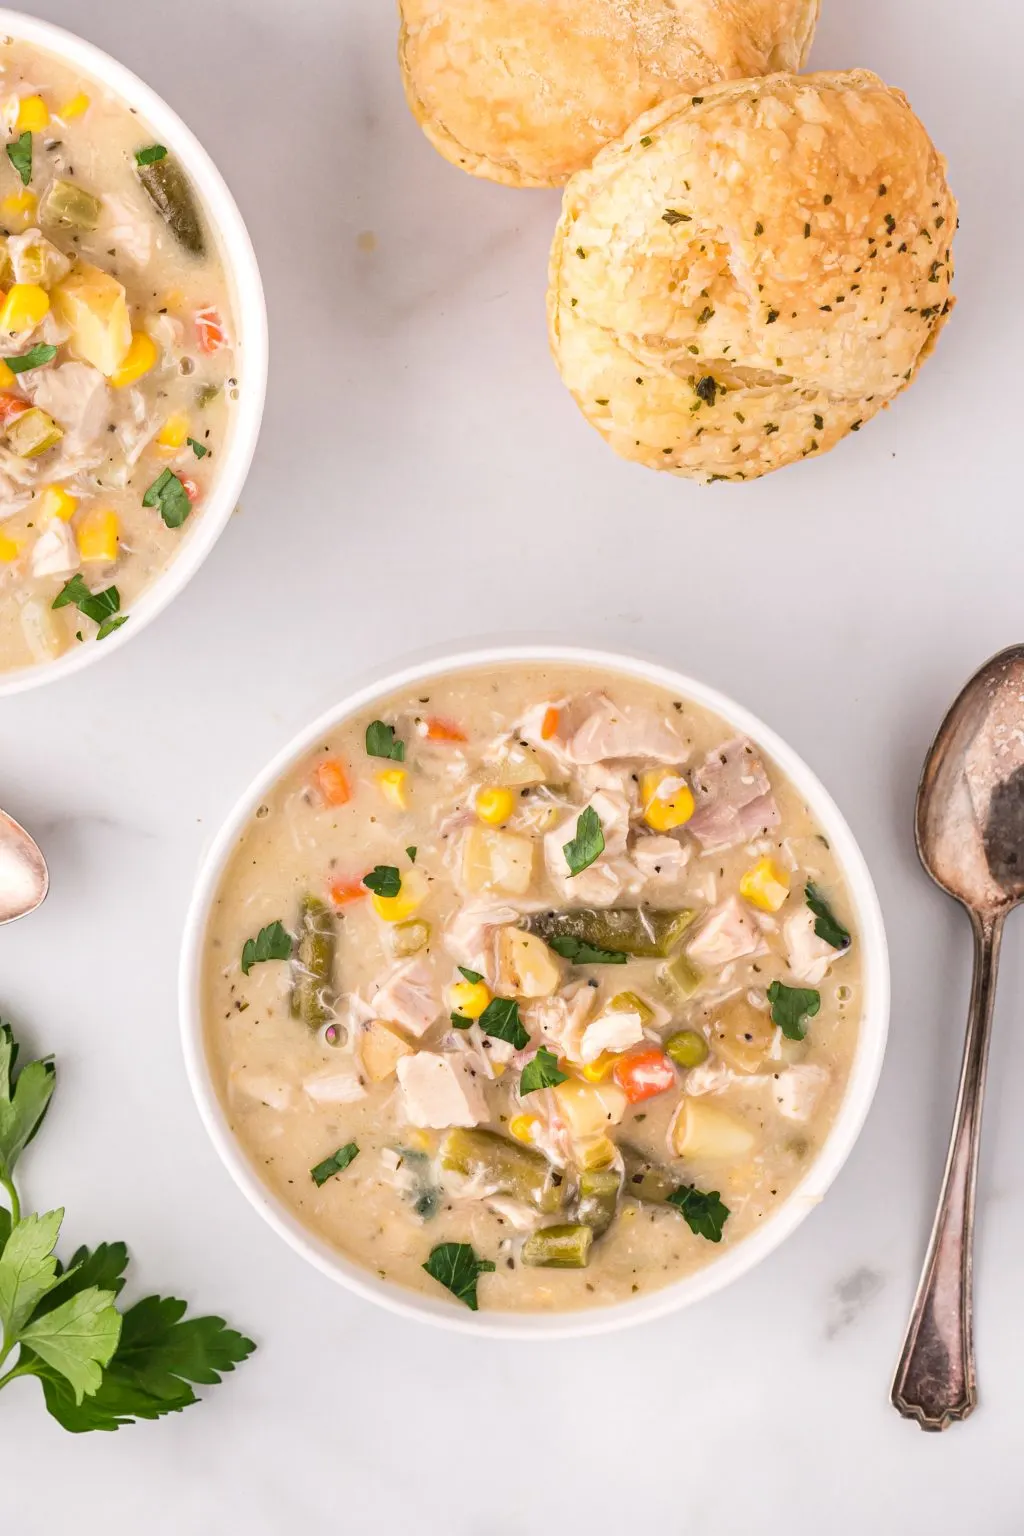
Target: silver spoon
24, 878
970, 838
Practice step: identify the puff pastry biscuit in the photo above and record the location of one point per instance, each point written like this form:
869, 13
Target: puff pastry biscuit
750, 274
527, 91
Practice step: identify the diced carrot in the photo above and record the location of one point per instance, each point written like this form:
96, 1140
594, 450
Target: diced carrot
11, 406
190, 488
342, 892
332, 782
210, 332
643, 1074
549, 725
443, 730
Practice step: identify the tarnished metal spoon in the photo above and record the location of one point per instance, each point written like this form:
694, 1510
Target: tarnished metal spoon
24, 878
970, 837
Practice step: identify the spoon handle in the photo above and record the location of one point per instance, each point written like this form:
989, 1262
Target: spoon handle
935, 1379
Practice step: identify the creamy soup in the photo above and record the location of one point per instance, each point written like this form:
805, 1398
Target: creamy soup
535, 975
118, 370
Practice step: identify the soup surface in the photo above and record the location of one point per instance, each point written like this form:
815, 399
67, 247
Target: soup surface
118, 369
537, 968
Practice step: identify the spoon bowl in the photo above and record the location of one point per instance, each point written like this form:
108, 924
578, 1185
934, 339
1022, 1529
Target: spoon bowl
970, 838
24, 877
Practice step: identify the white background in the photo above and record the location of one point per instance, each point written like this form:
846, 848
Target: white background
422, 478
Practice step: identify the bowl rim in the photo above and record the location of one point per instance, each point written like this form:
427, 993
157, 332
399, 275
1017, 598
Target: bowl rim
250, 320
850, 1117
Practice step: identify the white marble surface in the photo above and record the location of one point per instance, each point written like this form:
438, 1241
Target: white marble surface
422, 478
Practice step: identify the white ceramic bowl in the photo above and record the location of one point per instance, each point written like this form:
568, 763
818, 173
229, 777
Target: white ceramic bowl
734, 1262
250, 327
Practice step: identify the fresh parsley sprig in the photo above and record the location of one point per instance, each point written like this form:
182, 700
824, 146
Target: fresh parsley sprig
102, 607
588, 844
99, 1367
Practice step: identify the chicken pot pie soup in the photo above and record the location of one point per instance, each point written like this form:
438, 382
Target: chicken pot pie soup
118, 372
535, 983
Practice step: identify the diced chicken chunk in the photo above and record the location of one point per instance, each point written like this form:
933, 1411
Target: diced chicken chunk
336, 1085
728, 934
55, 552
470, 937
808, 956
612, 730
440, 1091
798, 1090
734, 797
409, 998
612, 1031
601, 882
712, 1076
77, 397
661, 858
562, 1019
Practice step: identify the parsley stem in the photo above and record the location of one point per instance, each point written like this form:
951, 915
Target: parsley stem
21, 1369
12, 1196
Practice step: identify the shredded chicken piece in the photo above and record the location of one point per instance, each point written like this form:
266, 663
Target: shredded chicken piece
734, 797
727, 934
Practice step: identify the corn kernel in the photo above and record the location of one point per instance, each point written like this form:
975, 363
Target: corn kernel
55, 501
597, 1071
24, 307
173, 432
494, 806
470, 998
139, 359
19, 209
666, 798
765, 885
393, 787
521, 1127
97, 535
33, 115
595, 1153
10, 548
411, 896
75, 107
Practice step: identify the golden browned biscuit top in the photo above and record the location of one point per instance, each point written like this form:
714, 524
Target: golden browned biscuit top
527, 91
751, 273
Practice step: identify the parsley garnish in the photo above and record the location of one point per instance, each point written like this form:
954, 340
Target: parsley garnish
101, 607
792, 1007
380, 742
460, 1021
150, 154
673, 216
271, 943
336, 1163
706, 389
704, 1214
199, 449
457, 1268
168, 493
411, 851
579, 953
20, 155
828, 926
98, 1368
35, 357
473, 976
383, 880
542, 1071
588, 844
501, 1020
705, 315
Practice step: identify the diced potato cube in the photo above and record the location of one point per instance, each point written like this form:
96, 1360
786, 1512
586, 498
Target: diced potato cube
381, 1049
496, 861
44, 634
703, 1130
590, 1108
742, 1035
526, 966
94, 306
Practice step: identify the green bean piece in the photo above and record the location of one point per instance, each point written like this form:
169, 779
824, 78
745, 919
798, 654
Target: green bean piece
598, 1198
646, 1180
680, 978
71, 205
644, 932
563, 1247
687, 1048
168, 189
503, 1167
31, 433
313, 966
